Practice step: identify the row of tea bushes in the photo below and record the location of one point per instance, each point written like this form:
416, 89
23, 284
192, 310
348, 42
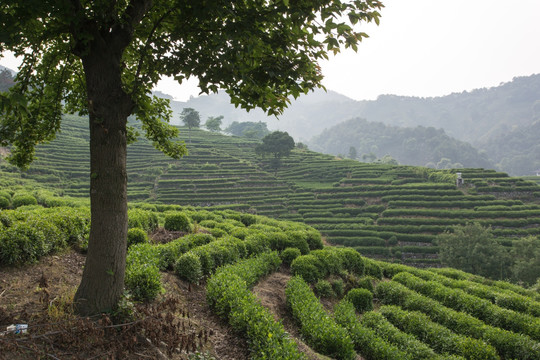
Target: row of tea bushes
438, 337
28, 233
482, 309
229, 295
509, 345
319, 330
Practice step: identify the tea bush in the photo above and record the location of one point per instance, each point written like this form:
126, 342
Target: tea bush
317, 327
362, 299
437, 336
366, 341
403, 340
22, 200
229, 295
188, 266
136, 236
323, 288
177, 221
289, 254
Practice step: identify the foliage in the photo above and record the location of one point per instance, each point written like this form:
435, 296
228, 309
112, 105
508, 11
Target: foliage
323, 288
188, 266
136, 236
177, 221
473, 249
289, 254
22, 200
278, 144
190, 117
318, 328
525, 255
252, 130
229, 295
366, 341
362, 299
213, 123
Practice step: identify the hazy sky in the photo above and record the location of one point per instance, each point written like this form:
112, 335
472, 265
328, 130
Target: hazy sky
429, 48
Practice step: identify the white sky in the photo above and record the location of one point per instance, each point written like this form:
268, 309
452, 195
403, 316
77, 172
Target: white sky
427, 48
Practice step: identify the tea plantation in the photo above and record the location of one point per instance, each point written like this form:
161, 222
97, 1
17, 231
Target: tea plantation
407, 312
383, 211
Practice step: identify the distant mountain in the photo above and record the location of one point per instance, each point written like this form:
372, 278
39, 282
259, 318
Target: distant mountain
473, 116
423, 146
306, 117
6, 78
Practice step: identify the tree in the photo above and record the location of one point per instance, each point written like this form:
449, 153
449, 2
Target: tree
214, 123
278, 144
191, 118
102, 59
249, 129
526, 260
473, 248
352, 153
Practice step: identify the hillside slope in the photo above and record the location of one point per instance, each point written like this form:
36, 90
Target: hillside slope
385, 211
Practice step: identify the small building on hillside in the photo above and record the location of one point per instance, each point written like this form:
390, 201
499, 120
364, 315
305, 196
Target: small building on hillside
459, 179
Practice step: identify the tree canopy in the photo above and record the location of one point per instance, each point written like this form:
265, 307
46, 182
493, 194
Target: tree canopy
278, 144
191, 118
213, 123
103, 58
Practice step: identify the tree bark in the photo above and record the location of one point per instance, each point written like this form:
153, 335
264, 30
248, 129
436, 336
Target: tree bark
109, 106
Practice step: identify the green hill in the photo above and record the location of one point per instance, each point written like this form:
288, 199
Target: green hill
422, 146
384, 211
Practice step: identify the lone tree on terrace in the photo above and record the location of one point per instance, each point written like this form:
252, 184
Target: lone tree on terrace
102, 59
191, 119
278, 144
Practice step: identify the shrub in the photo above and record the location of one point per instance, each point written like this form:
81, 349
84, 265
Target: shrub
314, 239
338, 287
362, 299
143, 219
365, 282
4, 203
318, 328
309, 267
177, 221
366, 341
289, 254
217, 233
228, 294
22, 200
21, 244
188, 266
136, 236
143, 280
373, 269
323, 288
352, 261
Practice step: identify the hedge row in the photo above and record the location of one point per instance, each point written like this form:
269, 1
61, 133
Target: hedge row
366, 341
403, 340
509, 345
228, 293
437, 336
321, 263
501, 297
318, 329
27, 235
203, 260
482, 309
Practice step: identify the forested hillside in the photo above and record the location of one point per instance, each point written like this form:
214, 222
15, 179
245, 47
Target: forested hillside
422, 146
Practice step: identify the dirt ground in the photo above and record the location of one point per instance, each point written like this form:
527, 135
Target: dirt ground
40, 295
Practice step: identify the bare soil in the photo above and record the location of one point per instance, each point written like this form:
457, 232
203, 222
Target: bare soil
175, 325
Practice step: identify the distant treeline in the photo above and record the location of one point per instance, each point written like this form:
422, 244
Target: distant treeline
421, 146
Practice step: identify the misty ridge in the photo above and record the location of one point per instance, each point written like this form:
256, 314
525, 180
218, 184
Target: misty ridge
495, 127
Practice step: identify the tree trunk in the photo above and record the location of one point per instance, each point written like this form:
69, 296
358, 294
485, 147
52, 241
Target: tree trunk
109, 106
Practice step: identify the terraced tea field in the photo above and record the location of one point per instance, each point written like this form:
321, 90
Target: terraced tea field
280, 290
383, 211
